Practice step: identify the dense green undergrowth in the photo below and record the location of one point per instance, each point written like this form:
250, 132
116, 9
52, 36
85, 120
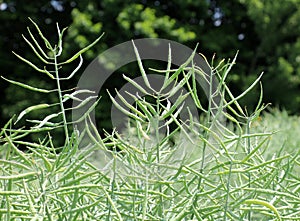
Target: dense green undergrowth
46, 185
225, 165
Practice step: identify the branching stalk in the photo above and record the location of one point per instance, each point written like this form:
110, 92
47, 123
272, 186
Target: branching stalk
60, 97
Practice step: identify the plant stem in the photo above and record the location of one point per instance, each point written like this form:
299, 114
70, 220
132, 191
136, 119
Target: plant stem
156, 126
248, 152
61, 99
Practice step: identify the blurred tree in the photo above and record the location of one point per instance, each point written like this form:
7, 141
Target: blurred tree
278, 51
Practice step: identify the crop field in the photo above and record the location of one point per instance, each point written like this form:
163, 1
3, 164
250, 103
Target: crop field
225, 164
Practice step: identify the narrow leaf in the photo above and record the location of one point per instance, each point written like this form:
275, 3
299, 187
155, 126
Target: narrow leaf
43, 122
168, 112
19, 176
140, 88
48, 45
37, 44
72, 96
124, 110
82, 103
35, 51
91, 108
75, 70
142, 70
168, 67
48, 124
234, 100
81, 51
31, 108
264, 203
181, 83
129, 105
28, 87
34, 66
60, 36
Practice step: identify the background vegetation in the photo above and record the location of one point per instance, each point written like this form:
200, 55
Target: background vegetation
204, 169
265, 32
251, 172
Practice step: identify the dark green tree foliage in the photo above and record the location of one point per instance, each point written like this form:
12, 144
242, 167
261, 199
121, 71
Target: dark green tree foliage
277, 53
265, 32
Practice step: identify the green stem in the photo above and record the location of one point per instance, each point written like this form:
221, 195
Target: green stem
161, 207
61, 99
206, 136
248, 152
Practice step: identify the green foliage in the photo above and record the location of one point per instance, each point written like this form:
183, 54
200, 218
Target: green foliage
266, 33
145, 22
221, 166
82, 27
286, 128
52, 68
277, 28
